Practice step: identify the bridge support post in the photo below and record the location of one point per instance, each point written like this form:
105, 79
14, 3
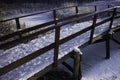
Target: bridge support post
107, 48
77, 70
109, 36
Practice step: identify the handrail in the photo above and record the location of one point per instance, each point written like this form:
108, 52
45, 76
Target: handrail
57, 41
51, 22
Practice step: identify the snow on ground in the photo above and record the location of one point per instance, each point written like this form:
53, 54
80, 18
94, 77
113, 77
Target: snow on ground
36, 19
99, 69
106, 2
96, 67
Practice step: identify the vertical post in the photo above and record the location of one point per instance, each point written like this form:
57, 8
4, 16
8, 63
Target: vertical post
108, 46
76, 9
109, 35
95, 7
112, 18
56, 49
77, 73
55, 16
93, 27
108, 11
18, 25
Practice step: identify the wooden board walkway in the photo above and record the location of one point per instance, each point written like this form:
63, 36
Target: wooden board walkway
57, 42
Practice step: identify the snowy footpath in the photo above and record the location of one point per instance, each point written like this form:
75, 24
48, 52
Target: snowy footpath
25, 71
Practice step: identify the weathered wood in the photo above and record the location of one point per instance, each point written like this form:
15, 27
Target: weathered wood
74, 35
107, 47
93, 28
18, 26
108, 11
55, 16
56, 49
77, 74
25, 59
57, 42
115, 40
36, 13
49, 67
26, 30
27, 37
95, 8
109, 35
112, 18
68, 66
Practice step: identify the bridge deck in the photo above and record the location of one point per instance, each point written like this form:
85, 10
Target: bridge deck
38, 64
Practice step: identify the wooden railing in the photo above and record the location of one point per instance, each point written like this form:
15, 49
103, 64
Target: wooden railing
55, 45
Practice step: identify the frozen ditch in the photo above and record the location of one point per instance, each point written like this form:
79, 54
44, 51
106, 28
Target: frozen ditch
25, 71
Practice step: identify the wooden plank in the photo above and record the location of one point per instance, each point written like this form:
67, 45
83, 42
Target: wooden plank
67, 66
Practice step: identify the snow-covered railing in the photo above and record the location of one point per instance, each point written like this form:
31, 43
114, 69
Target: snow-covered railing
46, 27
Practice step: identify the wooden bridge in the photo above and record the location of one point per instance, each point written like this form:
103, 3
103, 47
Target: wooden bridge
28, 34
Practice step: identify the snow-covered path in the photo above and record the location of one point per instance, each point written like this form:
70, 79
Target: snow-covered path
30, 68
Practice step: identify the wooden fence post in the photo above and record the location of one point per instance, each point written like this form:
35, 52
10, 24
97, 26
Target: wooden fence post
77, 12
93, 27
109, 35
95, 7
56, 49
112, 18
18, 25
77, 71
108, 11
55, 16
108, 45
